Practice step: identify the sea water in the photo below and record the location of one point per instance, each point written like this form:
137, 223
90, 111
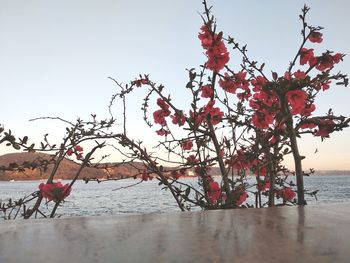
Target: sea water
117, 197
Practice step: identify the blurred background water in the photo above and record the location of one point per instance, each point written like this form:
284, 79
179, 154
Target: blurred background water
147, 197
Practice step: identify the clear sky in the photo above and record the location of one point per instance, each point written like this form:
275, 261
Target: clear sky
55, 56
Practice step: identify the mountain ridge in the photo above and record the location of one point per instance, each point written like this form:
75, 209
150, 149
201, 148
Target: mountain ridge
69, 168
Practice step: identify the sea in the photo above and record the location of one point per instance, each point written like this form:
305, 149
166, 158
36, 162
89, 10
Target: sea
129, 196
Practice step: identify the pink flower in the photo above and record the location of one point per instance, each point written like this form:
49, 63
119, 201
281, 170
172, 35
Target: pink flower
54, 191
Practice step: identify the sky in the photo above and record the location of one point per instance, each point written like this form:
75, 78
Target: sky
56, 57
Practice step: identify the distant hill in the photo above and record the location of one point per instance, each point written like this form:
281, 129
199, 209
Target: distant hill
66, 170
69, 168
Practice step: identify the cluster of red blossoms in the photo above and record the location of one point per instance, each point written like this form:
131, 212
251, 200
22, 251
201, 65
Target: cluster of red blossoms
324, 62
286, 193
325, 127
77, 150
54, 191
243, 160
159, 116
215, 193
231, 83
187, 145
208, 113
146, 176
216, 51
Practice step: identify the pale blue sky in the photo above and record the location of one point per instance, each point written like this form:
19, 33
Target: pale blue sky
55, 56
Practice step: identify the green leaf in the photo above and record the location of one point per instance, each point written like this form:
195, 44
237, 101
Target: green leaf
187, 192
16, 146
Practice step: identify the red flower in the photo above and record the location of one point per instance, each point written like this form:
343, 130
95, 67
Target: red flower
242, 198
241, 160
175, 174
262, 186
287, 75
207, 91
228, 85
325, 128
315, 37
162, 104
214, 192
324, 133
307, 56
187, 145
205, 37
70, 152
179, 118
78, 148
215, 114
324, 85
159, 117
139, 82
307, 126
308, 110
263, 99
196, 118
217, 57
337, 57
327, 61
299, 75
262, 119
162, 132
54, 191
232, 83
192, 159
297, 101
216, 51
145, 176
288, 194
258, 83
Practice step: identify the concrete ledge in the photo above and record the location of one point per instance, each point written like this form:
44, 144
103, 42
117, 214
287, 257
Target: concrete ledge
288, 234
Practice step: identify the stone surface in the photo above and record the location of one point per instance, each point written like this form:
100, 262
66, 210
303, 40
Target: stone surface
282, 234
